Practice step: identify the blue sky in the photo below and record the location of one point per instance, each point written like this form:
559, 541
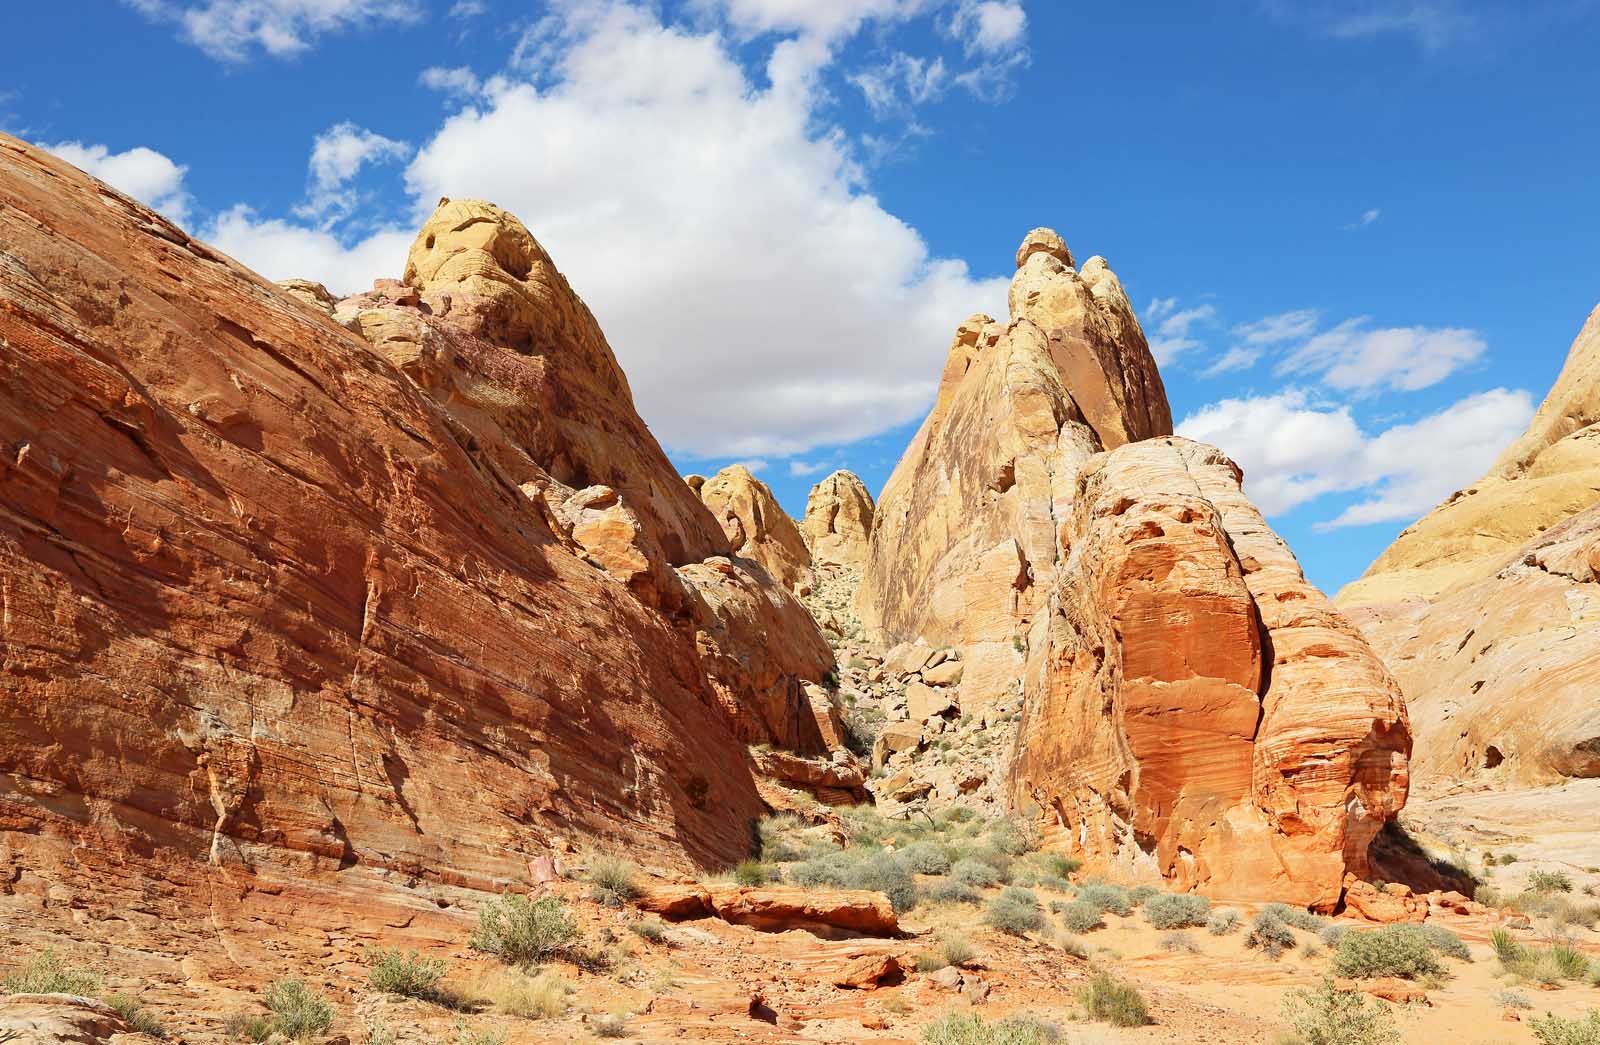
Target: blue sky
1361, 236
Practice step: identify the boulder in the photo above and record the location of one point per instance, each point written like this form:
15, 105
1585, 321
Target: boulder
947, 673
1391, 903
68, 1019
823, 912
756, 527
676, 901
838, 521
869, 972
1388, 988
924, 702
1154, 735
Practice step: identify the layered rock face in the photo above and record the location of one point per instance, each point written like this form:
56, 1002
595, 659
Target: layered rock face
292, 604
963, 547
1193, 708
1486, 608
838, 522
756, 526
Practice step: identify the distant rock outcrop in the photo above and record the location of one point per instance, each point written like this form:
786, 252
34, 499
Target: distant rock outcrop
1194, 708
964, 539
757, 527
378, 614
1488, 608
838, 521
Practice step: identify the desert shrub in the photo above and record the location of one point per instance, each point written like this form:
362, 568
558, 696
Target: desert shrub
956, 949
887, 874
750, 872
1000, 862
1446, 942
1176, 910
379, 1033
926, 858
1548, 966
247, 1027
1270, 933
1506, 948
1054, 883
1513, 1000
1573, 963
1112, 899
297, 1011
1179, 941
955, 815
1557, 1030
1386, 952
1296, 917
776, 837
1060, 866
829, 868
1549, 882
1326, 1015
1081, 917
610, 1027
926, 962
968, 1028
1070, 944
1222, 921
1140, 893
649, 929
1332, 933
1013, 837
862, 724
541, 997
467, 1036
1015, 911
48, 974
974, 873
948, 890
613, 881
406, 973
136, 1016
524, 932
1115, 1003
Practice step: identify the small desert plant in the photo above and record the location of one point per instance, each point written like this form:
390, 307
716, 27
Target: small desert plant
467, 1036
1332, 933
247, 1027
889, 875
968, 1028
408, 974
926, 858
1295, 917
1015, 911
1140, 893
1549, 882
1556, 1030
1513, 1000
750, 872
1446, 942
524, 932
1115, 1003
48, 974
1179, 941
613, 881
136, 1016
948, 890
1326, 1015
1113, 899
379, 1033
1176, 910
1081, 917
649, 929
1070, 944
1271, 934
930, 962
1393, 950
1507, 948
1222, 921
514, 993
974, 873
611, 1027
955, 949
1013, 837
297, 1011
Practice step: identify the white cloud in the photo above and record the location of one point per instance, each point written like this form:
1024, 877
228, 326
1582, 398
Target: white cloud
799, 468
1276, 329
754, 465
760, 299
459, 81
148, 176
231, 30
1353, 358
989, 26
337, 156
901, 82
1172, 335
1239, 357
1294, 449
462, 9
827, 19
1159, 307
1434, 26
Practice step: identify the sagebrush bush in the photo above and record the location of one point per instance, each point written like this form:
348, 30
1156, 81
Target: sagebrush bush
1296, 917
956, 949
1179, 941
887, 874
968, 1028
613, 881
750, 872
610, 1027
1549, 882
1176, 910
406, 973
1015, 911
651, 929
48, 974
1112, 899
1115, 1003
1513, 1000
974, 873
1080, 917
926, 858
524, 932
1270, 933
1393, 950
1222, 921
1013, 837
1557, 1030
1326, 1015
298, 1012
1140, 893
948, 890
1332, 933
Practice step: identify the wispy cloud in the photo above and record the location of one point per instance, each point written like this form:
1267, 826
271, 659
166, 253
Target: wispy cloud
235, 30
1367, 218
1353, 357
1173, 333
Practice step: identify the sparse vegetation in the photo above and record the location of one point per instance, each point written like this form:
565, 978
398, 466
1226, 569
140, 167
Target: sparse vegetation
408, 974
974, 873
1015, 911
1176, 910
1513, 1000
466, 1035
613, 881
955, 949
948, 890
1326, 1015
926, 858
1557, 1030
48, 974
1394, 950
1270, 933
1081, 917
1115, 1003
613, 1026
1333, 932
1140, 893
1550, 965
515, 993
751, 872
1549, 882
649, 929
524, 932
1179, 941
140, 1019
1223, 921
1295, 917
298, 1012
968, 1028
247, 1027
1112, 899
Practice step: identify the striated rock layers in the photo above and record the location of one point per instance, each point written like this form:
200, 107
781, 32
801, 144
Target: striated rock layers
1193, 707
283, 603
1488, 608
838, 522
756, 526
964, 539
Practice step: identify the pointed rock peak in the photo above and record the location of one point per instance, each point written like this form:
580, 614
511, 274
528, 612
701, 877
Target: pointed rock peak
1044, 241
838, 520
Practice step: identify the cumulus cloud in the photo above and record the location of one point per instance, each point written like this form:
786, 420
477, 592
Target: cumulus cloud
148, 176
989, 26
761, 299
1352, 357
233, 30
458, 81
1295, 448
337, 156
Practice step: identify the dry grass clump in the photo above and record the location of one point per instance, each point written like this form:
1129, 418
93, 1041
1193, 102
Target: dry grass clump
1176, 910
48, 974
1115, 1003
524, 932
1326, 1015
1175, 942
1550, 965
613, 881
1223, 921
968, 1028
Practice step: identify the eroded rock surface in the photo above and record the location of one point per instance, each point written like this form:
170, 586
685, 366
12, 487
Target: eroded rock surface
1194, 708
964, 542
756, 526
838, 522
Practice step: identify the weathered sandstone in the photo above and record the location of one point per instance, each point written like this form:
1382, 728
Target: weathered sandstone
756, 526
964, 538
838, 520
1194, 709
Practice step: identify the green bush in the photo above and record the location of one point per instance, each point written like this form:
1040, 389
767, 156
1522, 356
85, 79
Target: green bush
48, 974
975, 874
1270, 933
1013, 837
1060, 866
1394, 950
408, 974
1326, 1015
136, 1016
524, 932
1223, 921
888, 875
1176, 910
926, 858
1140, 893
750, 872
1115, 1003
1549, 882
1506, 948
1081, 917
297, 1011
1556, 1030
1015, 911
1112, 899
613, 881
948, 890
1333, 932
1446, 942
968, 1028
1296, 917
